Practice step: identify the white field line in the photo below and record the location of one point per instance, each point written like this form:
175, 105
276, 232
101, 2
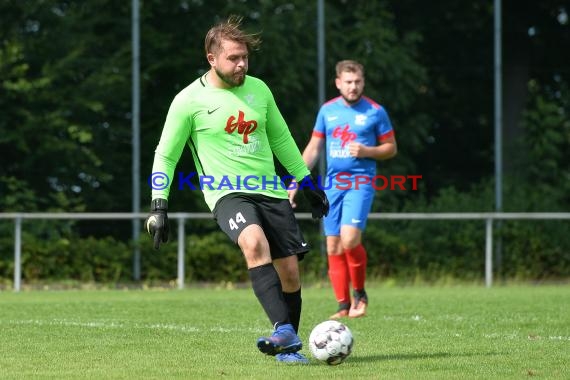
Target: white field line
518, 335
123, 325
222, 329
458, 318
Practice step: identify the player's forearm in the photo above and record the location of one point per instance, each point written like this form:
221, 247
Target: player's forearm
310, 156
381, 152
312, 151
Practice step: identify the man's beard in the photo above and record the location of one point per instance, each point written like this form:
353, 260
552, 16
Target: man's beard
231, 80
356, 100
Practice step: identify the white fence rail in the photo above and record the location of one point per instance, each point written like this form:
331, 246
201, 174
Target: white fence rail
488, 217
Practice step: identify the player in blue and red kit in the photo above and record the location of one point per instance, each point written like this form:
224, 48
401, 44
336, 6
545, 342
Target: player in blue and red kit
357, 132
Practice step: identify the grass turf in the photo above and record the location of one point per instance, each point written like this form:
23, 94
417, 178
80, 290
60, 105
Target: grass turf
462, 332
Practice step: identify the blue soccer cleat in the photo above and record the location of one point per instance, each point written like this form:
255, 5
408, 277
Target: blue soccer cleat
292, 358
283, 340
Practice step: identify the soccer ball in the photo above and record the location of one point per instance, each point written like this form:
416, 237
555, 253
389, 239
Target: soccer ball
331, 342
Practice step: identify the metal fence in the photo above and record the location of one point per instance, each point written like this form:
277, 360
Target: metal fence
488, 217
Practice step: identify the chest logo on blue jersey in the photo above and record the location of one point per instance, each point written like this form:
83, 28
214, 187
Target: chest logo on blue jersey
360, 119
344, 134
243, 127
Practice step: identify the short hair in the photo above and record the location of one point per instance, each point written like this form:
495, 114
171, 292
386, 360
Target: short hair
350, 66
230, 30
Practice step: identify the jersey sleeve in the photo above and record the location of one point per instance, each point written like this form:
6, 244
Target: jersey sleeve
282, 143
320, 128
384, 128
174, 137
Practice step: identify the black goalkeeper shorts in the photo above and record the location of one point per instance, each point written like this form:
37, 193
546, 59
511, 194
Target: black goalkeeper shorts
275, 216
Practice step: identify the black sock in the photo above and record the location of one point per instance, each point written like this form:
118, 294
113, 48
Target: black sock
361, 294
294, 302
343, 306
267, 288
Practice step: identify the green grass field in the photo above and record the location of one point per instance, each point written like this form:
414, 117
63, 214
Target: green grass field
463, 332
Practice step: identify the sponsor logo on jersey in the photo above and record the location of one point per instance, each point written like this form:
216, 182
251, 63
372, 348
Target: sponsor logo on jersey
337, 151
242, 126
344, 134
252, 147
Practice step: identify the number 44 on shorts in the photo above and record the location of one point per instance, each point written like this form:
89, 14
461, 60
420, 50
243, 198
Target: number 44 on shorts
234, 223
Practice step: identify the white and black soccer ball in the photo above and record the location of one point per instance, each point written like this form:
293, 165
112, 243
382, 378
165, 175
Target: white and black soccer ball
331, 342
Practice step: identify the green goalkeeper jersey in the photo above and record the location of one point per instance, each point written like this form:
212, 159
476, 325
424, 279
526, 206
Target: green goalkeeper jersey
232, 134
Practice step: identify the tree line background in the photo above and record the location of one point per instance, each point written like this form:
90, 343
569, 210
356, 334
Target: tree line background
65, 102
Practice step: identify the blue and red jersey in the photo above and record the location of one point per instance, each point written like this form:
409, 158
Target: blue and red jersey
365, 122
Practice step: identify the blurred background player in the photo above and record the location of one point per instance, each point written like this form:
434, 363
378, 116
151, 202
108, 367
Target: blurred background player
357, 132
217, 116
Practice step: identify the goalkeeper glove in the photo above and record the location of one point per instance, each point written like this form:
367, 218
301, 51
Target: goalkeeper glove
316, 197
157, 221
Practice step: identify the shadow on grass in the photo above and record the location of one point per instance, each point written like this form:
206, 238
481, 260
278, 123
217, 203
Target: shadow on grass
436, 355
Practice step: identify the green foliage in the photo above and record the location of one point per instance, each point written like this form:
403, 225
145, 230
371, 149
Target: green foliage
543, 166
65, 97
63, 94
431, 250
538, 250
67, 257
405, 251
85, 260
216, 258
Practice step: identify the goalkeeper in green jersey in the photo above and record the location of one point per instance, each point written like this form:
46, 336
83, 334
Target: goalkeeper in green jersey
232, 125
